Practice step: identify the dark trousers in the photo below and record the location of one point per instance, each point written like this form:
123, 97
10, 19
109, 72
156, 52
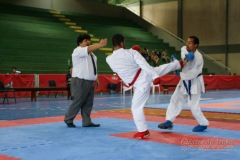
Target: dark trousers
83, 94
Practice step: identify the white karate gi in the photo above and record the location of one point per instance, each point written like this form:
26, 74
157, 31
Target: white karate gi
191, 72
126, 63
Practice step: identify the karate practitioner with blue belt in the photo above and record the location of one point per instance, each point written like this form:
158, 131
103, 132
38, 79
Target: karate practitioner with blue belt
190, 87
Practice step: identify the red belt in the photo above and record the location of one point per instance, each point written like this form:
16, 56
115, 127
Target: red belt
134, 79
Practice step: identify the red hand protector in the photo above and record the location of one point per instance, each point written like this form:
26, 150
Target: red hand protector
181, 63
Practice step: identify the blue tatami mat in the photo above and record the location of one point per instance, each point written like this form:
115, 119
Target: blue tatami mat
54, 141
36, 131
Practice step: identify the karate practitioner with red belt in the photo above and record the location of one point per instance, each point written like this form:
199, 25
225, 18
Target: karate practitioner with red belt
135, 72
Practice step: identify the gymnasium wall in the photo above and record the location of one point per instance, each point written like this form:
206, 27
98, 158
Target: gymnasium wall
162, 14
206, 19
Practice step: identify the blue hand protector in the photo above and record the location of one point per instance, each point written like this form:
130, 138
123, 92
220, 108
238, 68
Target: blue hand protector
190, 56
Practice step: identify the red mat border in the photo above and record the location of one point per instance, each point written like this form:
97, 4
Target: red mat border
102, 114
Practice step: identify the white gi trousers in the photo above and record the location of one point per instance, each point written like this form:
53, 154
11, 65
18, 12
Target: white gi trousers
141, 93
177, 102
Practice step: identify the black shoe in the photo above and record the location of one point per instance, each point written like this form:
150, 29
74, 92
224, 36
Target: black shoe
92, 125
70, 125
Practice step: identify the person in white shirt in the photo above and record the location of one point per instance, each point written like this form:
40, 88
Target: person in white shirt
15, 71
135, 72
190, 87
84, 75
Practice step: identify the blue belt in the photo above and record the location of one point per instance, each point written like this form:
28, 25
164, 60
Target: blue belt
188, 88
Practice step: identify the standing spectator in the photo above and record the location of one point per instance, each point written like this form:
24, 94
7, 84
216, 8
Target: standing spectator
69, 80
189, 87
84, 74
69, 77
145, 53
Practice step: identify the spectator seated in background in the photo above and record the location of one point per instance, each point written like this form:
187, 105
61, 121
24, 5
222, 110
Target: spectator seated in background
173, 57
165, 56
144, 53
154, 58
15, 71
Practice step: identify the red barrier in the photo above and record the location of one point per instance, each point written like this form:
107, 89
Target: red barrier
237, 82
169, 79
60, 80
18, 80
105, 80
213, 82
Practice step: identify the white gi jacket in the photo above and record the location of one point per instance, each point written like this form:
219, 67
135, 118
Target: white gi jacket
126, 63
191, 72
82, 64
